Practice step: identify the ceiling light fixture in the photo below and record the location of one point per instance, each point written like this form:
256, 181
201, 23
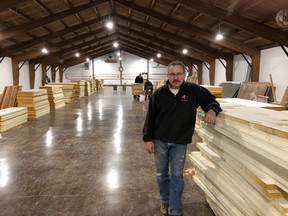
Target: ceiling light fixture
184, 51
77, 55
219, 36
109, 25
44, 50
115, 44
87, 59
158, 55
151, 60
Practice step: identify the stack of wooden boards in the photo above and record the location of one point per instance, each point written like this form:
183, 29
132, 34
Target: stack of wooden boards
215, 90
68, 91
36, 100
99, 84
55, 96
79, 89
12, 117
137, 89
8, 98
88, 89
242, 165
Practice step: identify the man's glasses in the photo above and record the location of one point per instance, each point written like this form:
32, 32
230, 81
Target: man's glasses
174, 75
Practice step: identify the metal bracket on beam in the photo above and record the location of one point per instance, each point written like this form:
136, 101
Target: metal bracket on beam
48, 68
2, 59
22, 65
247, 61
285, 51
222, 63
37, 67
206, 66
195, 68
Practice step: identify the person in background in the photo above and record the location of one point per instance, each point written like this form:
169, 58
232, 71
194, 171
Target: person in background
47, 79
168, 128
148, 89
138, 79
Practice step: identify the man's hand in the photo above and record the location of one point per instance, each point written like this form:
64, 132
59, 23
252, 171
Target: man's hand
150, 147
210, 117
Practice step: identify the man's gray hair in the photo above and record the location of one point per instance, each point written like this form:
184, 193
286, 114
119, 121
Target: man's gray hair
174, 63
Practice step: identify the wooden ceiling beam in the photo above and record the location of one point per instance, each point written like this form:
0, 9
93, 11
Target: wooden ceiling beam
196, 55
28, 44
10, 32
245, 24
146, 54
55, 56
8, 4
159, 49
80, 60
194, 45
141, 54
210, 36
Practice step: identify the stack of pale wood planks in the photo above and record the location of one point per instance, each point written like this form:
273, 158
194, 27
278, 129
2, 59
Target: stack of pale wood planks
236, 102
242, 165
99, 84
137, 89
79, 89
215, 90
68, 91
36, 100
12, 117
55, 96
87, 88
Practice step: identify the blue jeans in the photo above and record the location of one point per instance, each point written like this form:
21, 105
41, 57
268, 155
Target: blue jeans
171, 184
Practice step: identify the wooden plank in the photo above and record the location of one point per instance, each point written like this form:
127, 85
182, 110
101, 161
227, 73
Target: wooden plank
228, 103
269, 121
284, 100
239, 193
247, 158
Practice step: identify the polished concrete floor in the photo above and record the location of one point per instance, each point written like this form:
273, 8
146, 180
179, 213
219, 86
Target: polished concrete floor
86, 158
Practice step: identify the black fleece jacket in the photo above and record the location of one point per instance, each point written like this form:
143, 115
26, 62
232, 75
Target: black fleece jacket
172, 118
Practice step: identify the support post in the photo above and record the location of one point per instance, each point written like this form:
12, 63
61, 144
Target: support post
212, 73
15, 71
32, 74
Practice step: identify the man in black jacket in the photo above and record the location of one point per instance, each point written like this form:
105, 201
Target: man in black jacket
168, 128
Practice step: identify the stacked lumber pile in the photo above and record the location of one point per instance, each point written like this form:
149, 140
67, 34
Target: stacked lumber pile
137, 89
12, 117
79, 89
159, 83
36, 100
215, 90
55, 96
68, 91
236, 102
87, 88
99, 84
92, 84
242, 165
8, 98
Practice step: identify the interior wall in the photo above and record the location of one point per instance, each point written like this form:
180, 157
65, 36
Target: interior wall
276, 64
6, 73
273, 61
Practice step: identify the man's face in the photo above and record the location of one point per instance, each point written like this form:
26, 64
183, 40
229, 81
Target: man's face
176, 76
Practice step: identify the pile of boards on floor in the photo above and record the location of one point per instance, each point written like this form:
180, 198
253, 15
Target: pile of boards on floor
242, 165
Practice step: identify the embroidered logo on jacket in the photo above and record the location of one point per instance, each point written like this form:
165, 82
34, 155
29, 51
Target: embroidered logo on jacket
184, 98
